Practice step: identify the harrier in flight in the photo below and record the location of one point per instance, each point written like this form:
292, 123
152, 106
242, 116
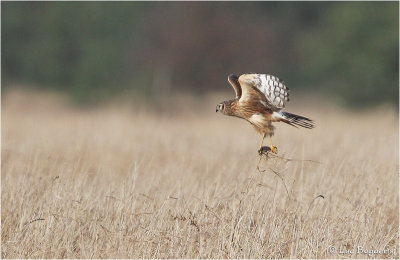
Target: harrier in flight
260, 99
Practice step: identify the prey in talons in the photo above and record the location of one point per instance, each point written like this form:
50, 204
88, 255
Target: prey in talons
272, 148
266, 150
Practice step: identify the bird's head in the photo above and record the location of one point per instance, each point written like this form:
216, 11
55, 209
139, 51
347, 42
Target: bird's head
225, 107
220, 107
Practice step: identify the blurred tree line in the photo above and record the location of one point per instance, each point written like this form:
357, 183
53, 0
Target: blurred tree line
96, 50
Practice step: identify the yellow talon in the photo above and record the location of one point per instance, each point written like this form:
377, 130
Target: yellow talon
274, 149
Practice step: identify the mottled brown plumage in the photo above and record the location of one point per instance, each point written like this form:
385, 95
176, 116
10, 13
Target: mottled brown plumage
260, 100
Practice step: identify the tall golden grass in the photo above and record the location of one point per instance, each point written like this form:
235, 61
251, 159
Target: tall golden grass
120, 182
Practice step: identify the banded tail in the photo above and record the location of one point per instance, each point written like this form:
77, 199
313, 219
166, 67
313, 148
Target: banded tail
296, 120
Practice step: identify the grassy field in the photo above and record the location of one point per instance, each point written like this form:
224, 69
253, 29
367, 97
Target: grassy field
119, 182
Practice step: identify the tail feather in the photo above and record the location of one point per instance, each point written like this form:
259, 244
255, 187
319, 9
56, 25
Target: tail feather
296, 120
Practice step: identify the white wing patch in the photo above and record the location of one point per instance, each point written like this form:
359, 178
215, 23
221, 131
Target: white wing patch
273, 88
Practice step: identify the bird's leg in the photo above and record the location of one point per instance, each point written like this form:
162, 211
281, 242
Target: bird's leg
274, 149
262, 141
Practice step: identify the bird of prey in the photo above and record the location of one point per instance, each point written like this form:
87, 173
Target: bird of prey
260, 99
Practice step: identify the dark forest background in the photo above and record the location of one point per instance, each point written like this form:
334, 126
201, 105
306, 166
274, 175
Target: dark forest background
95, 51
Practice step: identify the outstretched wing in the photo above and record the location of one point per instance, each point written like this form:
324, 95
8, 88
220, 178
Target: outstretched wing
233, 80
268, 88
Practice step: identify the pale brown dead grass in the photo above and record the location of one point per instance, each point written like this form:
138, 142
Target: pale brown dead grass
125, 183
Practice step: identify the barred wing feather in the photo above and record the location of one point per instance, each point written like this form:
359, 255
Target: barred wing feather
275, 92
